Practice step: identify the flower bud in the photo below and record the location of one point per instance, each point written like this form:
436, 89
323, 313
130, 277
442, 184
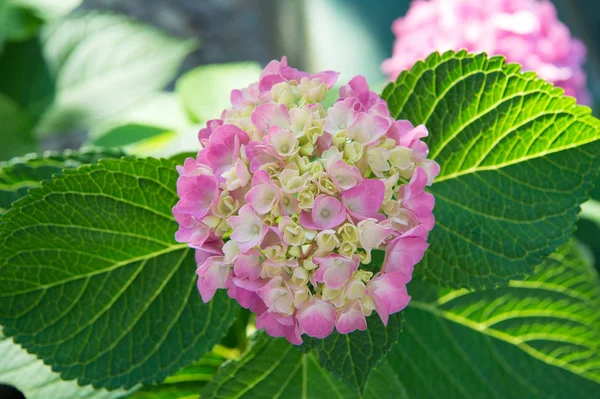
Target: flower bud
327, 240
226, 206
347, 249
348, 232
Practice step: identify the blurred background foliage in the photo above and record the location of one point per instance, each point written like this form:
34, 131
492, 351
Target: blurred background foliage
142, 75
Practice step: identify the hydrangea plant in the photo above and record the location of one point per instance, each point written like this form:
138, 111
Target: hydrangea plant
287, 199
319, 220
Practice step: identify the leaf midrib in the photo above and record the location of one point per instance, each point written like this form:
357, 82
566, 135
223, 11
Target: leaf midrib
117, 265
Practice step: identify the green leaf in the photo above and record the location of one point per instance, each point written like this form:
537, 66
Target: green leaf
20, 174
185, 384
37, 381
104, 64
205, 91
122, 136
15, 130
18, 22
162, 110
273, 368
517, 159
180, 158
30, 85
352, 357
92, 281
535, 338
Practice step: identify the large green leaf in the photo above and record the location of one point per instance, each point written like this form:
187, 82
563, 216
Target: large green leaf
274, 368
537, 338
37, 381
92, 281
122, 136
517, 159
20, 174
160, 111
15, 130
103, 64
185, 384
352, 357
205, 91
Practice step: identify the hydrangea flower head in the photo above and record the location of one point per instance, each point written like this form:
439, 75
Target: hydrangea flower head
527, 32
286, 201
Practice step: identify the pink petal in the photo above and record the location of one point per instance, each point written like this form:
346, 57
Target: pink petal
364, 200
198, 194
248, 265
404, 252
270, 114
327, 213
335, 270
247, 299
317, 319
328, 77
262, 197
352, 318
388, 292
417, 200
212, 275
343, 175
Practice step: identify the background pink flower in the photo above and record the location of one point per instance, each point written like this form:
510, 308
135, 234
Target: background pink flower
527, 32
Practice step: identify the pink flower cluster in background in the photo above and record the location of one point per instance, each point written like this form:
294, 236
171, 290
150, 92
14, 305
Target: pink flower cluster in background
287, 199
527, 32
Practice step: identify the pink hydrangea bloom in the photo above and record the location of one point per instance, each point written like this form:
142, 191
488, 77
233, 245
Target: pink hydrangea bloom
286, 200
527, 32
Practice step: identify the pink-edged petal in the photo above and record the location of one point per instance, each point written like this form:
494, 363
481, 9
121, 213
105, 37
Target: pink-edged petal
229, 135
328, 77
248, 229
279, 326
212, 275
371, 234
277, 296
404, 252
328, 211
248, 265
262, 197
343, 175
317, 319
270, 114
198, 194
247, 299
417, 200
368, 128
352, 318
389, 294
364, 200
335, 270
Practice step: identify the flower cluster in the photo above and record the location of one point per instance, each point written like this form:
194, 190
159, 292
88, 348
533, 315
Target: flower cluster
287, 199
527, 32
